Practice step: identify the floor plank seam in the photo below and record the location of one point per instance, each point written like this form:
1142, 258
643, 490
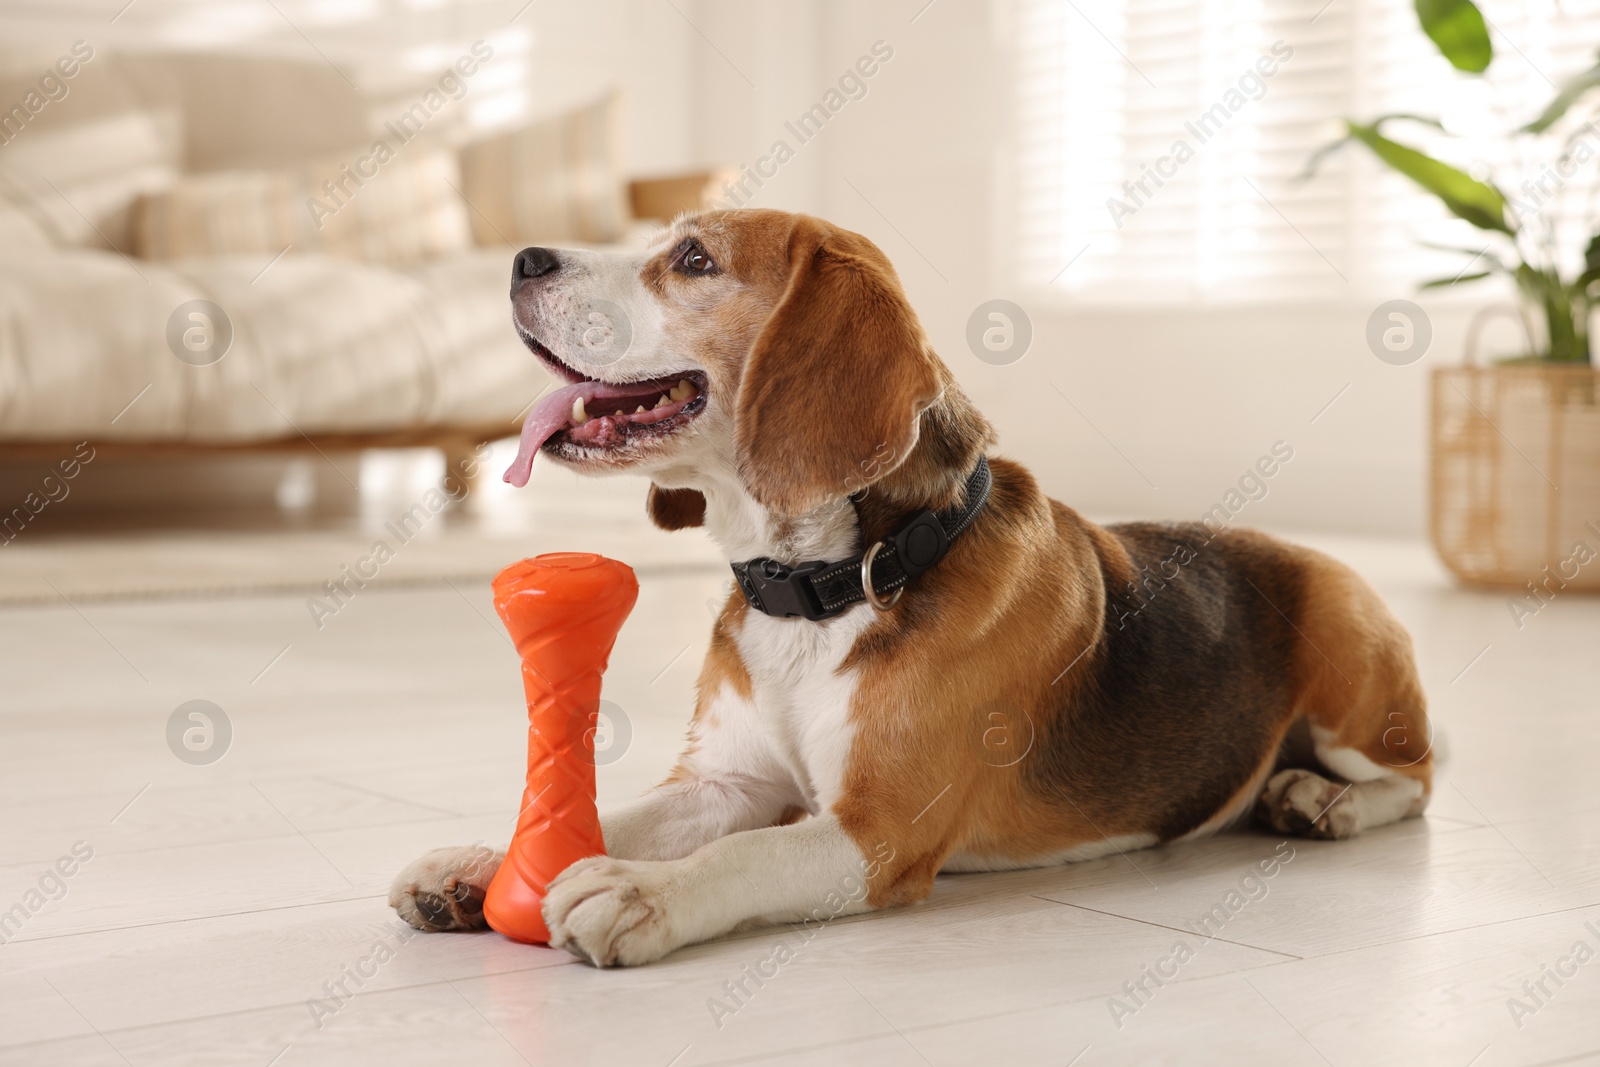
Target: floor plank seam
966, 1019
1452, 930
196, 919
384, 796
186, 1020
1574, 1058
1289, 956
254, 839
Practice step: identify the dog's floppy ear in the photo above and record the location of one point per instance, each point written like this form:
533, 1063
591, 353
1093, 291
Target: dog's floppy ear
675, 509
835, 382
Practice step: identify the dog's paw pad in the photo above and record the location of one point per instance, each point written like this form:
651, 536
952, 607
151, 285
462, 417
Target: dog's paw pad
1304, 803
444, 890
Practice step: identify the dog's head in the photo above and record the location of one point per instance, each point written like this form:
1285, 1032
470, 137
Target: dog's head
770, 348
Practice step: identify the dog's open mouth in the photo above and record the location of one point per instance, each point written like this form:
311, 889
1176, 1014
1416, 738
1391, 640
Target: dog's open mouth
589, 416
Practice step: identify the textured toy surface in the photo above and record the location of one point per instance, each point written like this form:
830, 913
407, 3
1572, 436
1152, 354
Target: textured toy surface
563, 611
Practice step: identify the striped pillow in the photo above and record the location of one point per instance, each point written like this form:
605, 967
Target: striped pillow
378, 204
557, 180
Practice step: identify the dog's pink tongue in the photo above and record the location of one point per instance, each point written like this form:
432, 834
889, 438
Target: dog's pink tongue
547, 417
553, 412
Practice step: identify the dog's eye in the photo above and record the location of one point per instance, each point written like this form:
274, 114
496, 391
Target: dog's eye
695, 261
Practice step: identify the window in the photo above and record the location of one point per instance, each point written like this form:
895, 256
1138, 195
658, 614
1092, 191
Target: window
1159, 144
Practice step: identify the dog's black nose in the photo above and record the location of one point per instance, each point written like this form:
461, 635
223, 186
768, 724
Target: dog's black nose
533, 263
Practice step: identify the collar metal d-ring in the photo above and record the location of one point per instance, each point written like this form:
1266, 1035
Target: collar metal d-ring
866, 581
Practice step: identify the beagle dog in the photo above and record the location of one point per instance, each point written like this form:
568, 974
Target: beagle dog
927, 665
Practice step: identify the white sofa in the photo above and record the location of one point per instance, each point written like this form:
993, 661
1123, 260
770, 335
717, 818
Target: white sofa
340, 351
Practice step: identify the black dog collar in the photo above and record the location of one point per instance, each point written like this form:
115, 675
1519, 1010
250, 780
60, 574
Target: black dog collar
820, 590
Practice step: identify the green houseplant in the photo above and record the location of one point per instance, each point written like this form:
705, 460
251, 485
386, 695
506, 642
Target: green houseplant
1515, 490
1563, 301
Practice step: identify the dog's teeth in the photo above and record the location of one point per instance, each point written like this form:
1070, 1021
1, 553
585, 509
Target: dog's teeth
579, 415
663, 402
683, 390
638, 409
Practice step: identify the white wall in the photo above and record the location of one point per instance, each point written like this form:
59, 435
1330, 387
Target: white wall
1191, 397
581, 49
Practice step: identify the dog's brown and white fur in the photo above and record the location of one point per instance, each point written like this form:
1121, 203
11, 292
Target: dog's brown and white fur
1262, 678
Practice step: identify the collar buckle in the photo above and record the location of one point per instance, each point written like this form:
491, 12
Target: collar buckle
778, 589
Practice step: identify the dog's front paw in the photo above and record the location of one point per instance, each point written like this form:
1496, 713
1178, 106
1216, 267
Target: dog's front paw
444, 889
1303, 802
610, 912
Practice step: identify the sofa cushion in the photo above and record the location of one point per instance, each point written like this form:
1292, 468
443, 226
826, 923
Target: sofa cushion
388, 206
77, 164
556, 180
252, 112
318, 345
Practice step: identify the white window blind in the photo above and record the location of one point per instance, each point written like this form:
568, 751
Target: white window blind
1159, 144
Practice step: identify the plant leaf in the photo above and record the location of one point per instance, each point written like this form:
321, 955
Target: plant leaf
1329, 149
1561, 305
1475, 253
1457, 27
1396, 116
1569, 94
1591, 255
1319, 155
1405, 116
1478, 202
1440, 283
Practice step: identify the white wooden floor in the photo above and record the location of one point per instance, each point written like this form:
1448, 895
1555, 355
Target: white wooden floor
222, 901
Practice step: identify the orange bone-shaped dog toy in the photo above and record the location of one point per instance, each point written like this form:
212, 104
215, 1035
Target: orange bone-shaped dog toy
563, 610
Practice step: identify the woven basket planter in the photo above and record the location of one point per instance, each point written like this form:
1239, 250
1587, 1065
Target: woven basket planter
1516, 475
